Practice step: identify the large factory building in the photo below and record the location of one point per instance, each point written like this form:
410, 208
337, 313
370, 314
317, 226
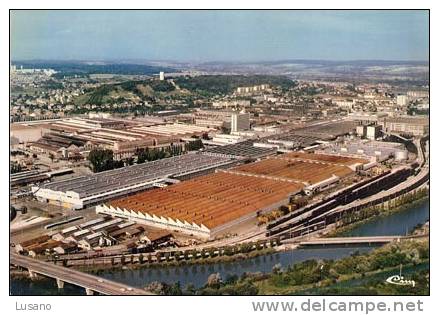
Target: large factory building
82, 191
208, 205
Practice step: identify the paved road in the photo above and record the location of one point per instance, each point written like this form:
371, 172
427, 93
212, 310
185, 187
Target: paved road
357, 240
94, 283
350, 240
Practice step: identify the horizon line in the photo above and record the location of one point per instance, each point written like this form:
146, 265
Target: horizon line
214, 61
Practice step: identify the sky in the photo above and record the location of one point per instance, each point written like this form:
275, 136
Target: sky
202, 36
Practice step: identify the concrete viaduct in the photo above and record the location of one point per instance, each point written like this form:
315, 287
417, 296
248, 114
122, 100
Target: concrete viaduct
92, 284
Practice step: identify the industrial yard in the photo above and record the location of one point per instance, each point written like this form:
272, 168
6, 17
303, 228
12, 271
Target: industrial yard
220, 192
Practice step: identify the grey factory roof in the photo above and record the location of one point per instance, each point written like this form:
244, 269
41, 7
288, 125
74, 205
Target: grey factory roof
299, 140
327, 131
242, 149
128, 176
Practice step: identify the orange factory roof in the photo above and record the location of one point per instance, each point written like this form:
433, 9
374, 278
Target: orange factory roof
324, 158
215, 199
303, 167
211, 200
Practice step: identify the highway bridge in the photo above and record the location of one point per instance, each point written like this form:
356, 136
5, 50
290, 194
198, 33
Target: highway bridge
92, 284
356, 240
369, 240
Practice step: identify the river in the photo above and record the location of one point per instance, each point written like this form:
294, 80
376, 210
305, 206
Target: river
398, 223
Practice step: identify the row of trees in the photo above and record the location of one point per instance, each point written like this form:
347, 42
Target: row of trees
210, 252
15, 167
147, 155
372, 211
102, 160
317, 275
215, 285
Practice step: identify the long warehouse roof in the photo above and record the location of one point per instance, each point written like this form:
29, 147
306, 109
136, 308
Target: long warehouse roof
136, 174
211, 200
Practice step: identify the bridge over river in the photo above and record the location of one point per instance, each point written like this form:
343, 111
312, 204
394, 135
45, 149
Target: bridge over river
356, 240
92, 284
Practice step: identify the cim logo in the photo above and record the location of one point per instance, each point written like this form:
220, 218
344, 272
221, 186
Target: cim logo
399, 280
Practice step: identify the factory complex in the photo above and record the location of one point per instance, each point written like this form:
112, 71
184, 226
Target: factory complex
218, 190
206, 206
75, 137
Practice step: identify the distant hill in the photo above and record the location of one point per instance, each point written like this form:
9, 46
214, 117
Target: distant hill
224, 84
394, 72
199, 86
65, 68
133, 91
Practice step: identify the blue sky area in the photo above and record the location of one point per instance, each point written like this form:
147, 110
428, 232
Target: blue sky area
220, 35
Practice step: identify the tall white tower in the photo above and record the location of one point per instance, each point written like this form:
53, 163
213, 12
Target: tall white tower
240, 121
162, 76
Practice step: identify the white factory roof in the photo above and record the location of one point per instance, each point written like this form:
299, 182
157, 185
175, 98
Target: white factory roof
130, 176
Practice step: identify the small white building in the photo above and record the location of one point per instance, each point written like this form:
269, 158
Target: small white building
223, 139
373, 132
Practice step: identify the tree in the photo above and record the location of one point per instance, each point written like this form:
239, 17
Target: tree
194, 145
141, 259
190, 289
174, 289
228, 251
245, 288
177, 255
15, 168
194, 254
231, 279
129, 161
102, 160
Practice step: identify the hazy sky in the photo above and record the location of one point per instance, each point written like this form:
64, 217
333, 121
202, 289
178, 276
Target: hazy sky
220, 35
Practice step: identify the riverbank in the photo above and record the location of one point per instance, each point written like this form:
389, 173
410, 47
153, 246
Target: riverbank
97, 269
314, 276
197, 274
19, 274
234, 253
373, 284
380, 213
